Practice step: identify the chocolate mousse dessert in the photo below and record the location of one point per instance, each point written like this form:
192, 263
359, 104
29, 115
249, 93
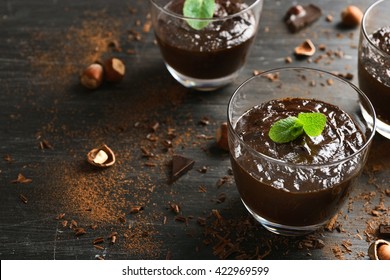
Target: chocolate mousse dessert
302, 182
374, 72
215, 51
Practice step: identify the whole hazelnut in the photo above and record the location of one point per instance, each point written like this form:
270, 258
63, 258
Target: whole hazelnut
222, 137
92, 76
384, 252
351, 16
114, 69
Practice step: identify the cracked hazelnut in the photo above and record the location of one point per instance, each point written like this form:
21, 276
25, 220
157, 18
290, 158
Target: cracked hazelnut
101, 157
307, 48
351, 16
222, 137
379, 250
92, 76
114, 70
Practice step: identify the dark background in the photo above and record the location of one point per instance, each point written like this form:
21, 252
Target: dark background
48, 123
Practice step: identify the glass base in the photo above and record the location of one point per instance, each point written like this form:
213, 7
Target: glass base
282, 229
202, 84
381, 127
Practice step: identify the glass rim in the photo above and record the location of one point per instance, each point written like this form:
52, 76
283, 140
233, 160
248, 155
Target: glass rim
302, 165
182, 17
364, 31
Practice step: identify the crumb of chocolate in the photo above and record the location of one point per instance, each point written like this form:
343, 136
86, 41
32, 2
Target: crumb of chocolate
8, 158
329, 18
338, 253
21, 179
288, 59
332, 223
23, 198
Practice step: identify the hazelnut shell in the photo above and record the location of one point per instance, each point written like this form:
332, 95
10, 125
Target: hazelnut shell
373, 249
92, 156
307, 48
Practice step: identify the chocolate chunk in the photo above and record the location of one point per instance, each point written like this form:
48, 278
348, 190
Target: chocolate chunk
384, 230
298, 17
180, 165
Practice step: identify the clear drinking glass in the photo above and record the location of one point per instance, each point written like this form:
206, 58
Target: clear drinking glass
289, 196
374, 61
210, 57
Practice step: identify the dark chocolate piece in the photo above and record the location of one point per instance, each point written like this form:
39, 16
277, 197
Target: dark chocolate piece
180, 165
298, 17
384, 230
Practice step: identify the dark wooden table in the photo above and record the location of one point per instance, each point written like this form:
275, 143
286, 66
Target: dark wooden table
60, 205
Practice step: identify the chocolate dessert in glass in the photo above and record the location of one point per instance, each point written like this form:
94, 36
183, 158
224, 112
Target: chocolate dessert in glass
374, 61
293, 186
205, 53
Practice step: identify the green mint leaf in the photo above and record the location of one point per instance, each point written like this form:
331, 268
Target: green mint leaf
290, 128
286, 130
200, 9
313, 123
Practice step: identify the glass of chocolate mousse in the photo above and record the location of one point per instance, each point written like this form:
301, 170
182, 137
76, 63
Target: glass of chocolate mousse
296, 186
374, 61
205, 53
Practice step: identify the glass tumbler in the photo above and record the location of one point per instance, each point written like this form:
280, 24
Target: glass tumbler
205, 54
374, 61
287, 195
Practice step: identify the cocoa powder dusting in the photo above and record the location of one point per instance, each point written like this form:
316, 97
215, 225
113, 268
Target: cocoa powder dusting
92, 199
79, 45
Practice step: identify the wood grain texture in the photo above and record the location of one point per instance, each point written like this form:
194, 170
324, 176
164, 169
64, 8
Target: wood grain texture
44, 45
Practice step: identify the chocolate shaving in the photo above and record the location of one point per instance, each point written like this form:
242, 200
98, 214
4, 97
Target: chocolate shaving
331, 225
44, 144
79, 231
181, 219
8, 158
98, 240
98, 247
338, 253
155, 126
174, 207
21, 179
64, 223
136, 209
204, 121
60, 216
23, 198
167, 143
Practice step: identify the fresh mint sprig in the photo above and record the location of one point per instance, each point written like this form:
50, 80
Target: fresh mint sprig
198, 9
290, 128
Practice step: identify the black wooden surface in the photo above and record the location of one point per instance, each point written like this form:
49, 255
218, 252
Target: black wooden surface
48, 123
